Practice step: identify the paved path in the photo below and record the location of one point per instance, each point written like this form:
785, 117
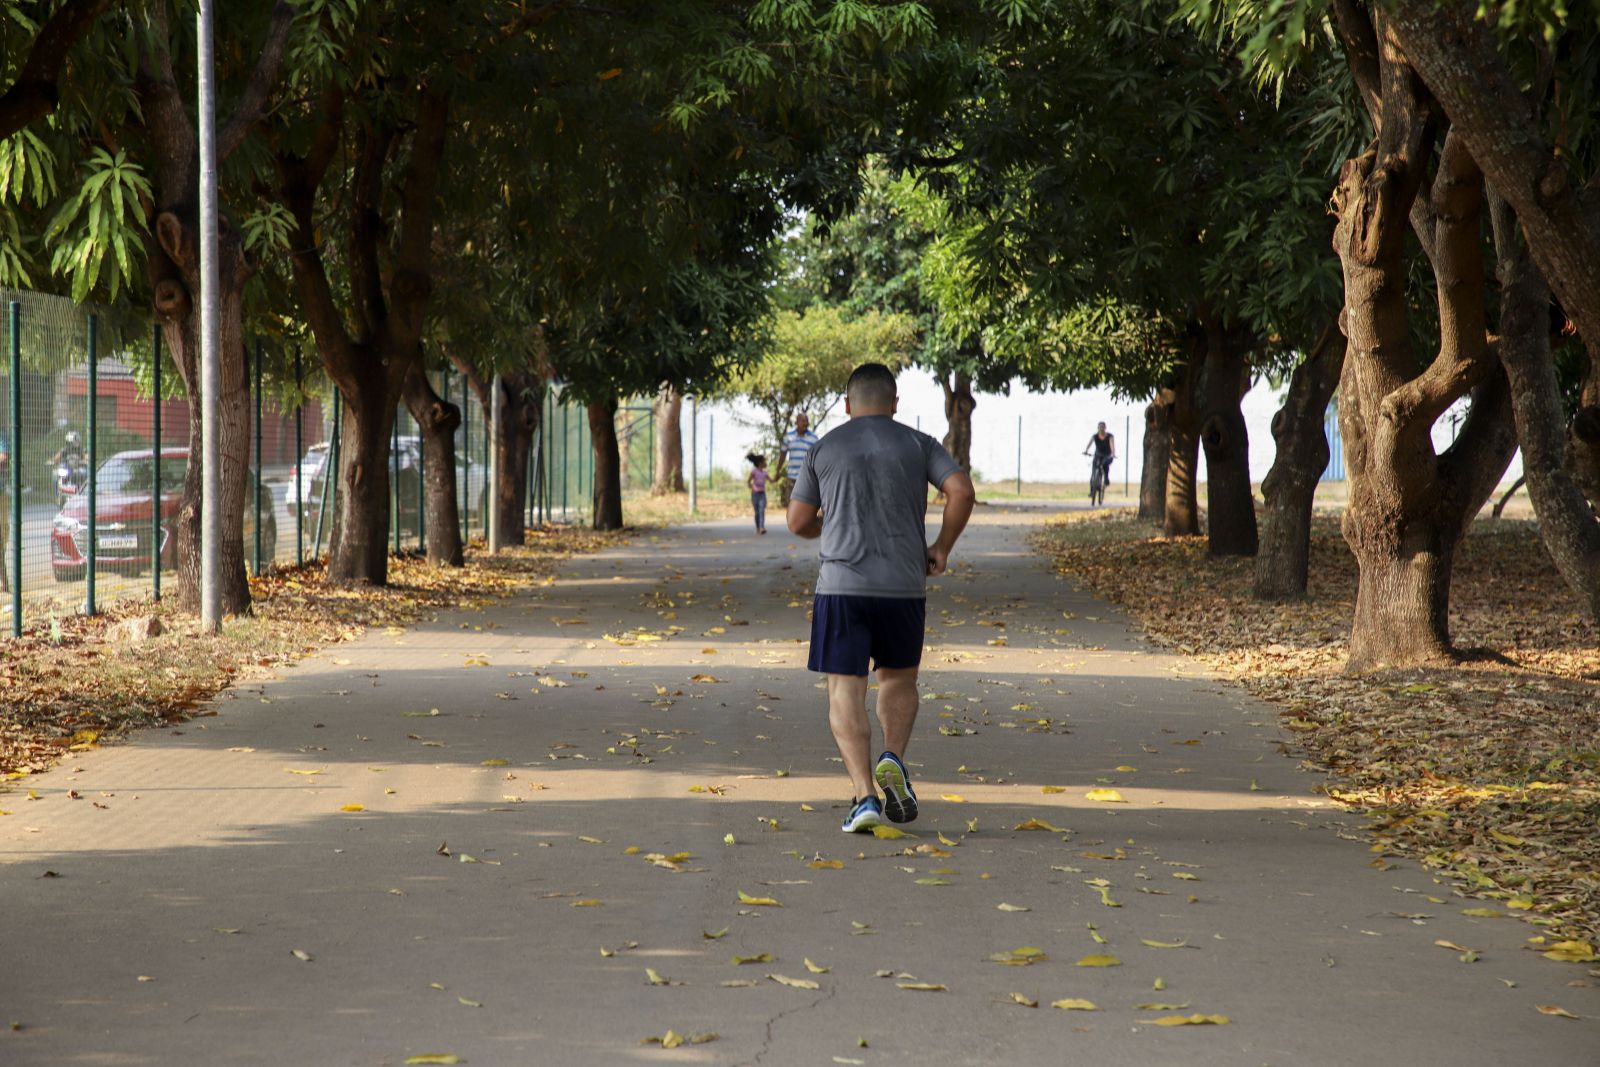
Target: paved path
486, 899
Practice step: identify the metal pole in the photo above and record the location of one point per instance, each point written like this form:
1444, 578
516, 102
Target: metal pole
300, 486
330, 478
210, 339
487, 506
497, 397
422, 488
1127, 431
394, 479
16, 470
1019, 455
257, 504
694, 455
155, 458
466, 454
566, 455
711, 451
94, 443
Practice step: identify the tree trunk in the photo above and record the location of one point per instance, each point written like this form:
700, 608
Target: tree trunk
607, 464
523, 391
1290, 487
1182, 515
958, 405
667, 411
1567, 521
1230, 503
1157, 457
437, 422
1583, 434
1408, 506
359, 549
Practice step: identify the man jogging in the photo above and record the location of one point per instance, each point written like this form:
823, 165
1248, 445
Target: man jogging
864, 490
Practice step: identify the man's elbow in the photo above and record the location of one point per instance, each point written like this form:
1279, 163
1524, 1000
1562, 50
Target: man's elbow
959, 487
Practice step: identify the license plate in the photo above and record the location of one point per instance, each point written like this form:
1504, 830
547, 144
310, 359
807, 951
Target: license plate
118, 542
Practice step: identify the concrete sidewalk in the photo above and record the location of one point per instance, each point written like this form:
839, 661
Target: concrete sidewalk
440, 841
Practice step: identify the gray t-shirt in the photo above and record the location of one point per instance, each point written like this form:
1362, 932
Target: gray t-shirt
870, 477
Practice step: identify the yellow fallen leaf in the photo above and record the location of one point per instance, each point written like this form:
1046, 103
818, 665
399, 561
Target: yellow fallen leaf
1162, 1007
816, 968
584, 904
1187, 1020
1053, 789
591, 840
654, 977
794, 983
1570, 952
713, 935
1026, 1002
826, 865
1099, 961
1163, 944
465, 1003
759, 957
946, 842
1020, 957
1010, 907
1552, 1009
495, 763
1125, 769
933, 881
1484, 913
673, 1039
1108, 796
925, 987
1039, 824
746, 898
351, 807
291, 770
1074, 1004
1451, 945
433, 1057
1185, 876
889, 833
704, 678
953, 798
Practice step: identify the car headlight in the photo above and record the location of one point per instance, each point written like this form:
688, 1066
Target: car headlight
66, 525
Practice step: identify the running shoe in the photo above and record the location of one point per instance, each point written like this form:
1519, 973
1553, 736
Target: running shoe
864, 815
899, 799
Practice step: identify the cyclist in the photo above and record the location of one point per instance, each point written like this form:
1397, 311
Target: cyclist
1104, 447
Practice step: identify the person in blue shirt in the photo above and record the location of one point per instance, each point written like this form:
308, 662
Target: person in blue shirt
797, 444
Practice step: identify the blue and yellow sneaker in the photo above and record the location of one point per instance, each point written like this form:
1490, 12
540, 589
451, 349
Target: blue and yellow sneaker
899, 800
864, 815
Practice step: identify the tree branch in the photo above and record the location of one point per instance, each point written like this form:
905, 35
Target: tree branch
301, 176
412, 282
35, 94
252, 104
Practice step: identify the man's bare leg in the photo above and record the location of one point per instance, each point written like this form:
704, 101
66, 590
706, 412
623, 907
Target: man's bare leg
897, 706
847, 717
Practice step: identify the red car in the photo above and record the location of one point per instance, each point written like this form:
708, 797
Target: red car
124, 500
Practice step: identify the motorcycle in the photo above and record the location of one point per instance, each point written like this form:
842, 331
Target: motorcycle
71, 477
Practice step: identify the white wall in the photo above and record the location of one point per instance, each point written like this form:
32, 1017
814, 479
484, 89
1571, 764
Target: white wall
1055, 427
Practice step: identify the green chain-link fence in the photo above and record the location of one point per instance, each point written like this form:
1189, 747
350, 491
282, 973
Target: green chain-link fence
92, 463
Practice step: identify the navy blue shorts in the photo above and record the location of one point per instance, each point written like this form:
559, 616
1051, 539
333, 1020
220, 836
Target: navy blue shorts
848, 631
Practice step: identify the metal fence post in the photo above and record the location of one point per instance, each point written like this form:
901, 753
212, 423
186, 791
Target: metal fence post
299, 451
466, 457
1127, 437
330, 477
155, 462
488, 489
422, 488
711, 451
394, 479
257, 504
1019, 456
16, 470
694, 454
566, 458
94, 421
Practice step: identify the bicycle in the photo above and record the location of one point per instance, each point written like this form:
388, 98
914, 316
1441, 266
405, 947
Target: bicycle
1099, 475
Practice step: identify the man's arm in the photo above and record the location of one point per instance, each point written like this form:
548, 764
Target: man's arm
959, 496
805, 520
1111, 439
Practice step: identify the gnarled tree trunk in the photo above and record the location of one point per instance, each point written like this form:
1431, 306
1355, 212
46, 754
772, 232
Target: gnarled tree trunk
667, 410
1283, 564
958, 405
437, 422
1157, 456
1230, 504
1182, 514
359, 548
607, 464
1567, 520
1409, 507
521, 412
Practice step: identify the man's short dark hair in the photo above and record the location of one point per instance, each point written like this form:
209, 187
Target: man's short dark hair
871, 385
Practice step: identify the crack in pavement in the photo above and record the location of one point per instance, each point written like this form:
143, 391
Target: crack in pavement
766, 1044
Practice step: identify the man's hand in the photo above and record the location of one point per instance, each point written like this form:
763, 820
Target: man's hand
938, 559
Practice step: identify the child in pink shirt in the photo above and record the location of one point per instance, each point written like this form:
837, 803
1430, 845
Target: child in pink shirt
757, 481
